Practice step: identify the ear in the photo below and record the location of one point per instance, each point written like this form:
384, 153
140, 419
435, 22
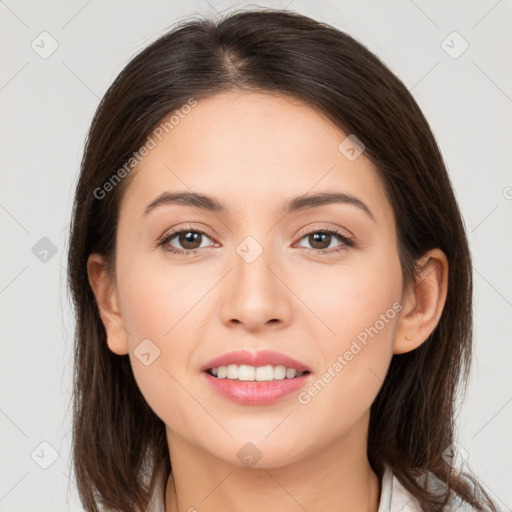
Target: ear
423, 306
105, 293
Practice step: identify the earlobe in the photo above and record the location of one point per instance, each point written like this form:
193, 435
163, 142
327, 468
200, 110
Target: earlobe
104, 291
424, 304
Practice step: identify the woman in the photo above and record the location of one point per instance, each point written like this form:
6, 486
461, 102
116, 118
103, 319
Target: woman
272, 282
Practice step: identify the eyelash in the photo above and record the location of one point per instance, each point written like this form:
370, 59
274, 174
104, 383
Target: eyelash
347, 242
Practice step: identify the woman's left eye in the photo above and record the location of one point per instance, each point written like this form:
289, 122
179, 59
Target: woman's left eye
321, 240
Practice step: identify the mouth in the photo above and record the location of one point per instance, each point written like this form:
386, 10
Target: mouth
255, 378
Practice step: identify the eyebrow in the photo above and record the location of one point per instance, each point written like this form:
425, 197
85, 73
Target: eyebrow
297, 204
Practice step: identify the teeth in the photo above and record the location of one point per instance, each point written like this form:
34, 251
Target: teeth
253, 373
290, 373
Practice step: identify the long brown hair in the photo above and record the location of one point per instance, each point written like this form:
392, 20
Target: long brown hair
119, 444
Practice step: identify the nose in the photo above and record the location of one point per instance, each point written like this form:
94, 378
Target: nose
255, 294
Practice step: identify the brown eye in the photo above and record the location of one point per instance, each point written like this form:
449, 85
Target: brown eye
190, 239
320, 241
187, 240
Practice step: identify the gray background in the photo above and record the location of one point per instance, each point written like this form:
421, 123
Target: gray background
47, 105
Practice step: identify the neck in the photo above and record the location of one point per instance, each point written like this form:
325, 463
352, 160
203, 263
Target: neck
337, 478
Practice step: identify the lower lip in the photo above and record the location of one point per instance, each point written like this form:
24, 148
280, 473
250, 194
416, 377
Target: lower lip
255, 392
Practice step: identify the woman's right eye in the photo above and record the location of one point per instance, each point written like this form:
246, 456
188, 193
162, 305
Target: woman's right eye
187, 238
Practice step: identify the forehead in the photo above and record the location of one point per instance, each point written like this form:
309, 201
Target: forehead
253, 150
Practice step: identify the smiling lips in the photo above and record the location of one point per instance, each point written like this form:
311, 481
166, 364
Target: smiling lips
255, 378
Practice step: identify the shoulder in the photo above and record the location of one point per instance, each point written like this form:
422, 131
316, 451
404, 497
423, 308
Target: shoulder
396, 498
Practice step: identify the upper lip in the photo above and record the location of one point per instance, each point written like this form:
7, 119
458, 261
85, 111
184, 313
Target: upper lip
260, 358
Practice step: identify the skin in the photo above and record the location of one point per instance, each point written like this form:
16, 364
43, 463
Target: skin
253, 152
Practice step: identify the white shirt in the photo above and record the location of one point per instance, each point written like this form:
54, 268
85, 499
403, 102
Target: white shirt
394, 497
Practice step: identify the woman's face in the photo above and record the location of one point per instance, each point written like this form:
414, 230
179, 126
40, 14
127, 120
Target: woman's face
258, 279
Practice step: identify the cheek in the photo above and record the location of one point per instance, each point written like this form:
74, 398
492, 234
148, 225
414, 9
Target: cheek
354, 301
163, 314
158, 298
356, 361
358, 312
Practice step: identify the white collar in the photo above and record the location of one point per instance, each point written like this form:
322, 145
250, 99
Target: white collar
394, 497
